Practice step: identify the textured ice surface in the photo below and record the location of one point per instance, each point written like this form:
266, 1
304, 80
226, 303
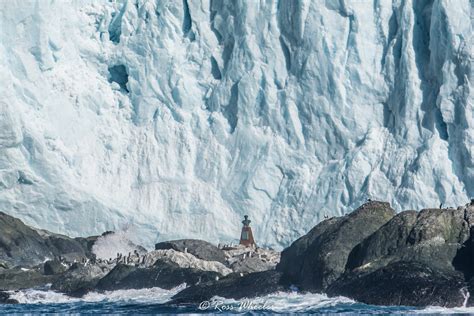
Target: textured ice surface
179, 117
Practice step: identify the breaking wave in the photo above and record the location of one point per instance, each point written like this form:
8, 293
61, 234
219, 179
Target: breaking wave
149, 296
154, 301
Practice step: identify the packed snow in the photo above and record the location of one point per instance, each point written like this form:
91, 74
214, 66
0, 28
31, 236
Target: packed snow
179, 117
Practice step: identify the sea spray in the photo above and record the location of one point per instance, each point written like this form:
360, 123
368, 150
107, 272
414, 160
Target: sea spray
121, 241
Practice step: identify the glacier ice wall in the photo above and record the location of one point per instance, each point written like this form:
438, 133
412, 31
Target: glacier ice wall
178, 117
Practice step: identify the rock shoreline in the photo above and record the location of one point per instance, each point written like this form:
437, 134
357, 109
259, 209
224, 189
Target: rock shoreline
372, 255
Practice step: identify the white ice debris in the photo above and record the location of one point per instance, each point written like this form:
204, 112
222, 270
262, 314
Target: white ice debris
179, 117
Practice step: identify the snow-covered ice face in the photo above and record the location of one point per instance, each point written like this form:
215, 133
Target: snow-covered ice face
180, 117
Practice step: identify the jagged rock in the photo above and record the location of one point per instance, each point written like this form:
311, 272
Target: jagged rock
317, 259
403, 283
52, 267
79, 279
199, 248
432, 236
17, 279
163, 274
5, 299
232, 286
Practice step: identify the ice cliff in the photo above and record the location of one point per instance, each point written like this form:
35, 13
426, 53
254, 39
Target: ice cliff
177, 117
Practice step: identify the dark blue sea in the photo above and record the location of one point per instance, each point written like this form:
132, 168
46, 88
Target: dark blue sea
154, 301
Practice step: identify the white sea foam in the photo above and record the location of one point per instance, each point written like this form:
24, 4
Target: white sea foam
280, 302
152, 295
445, 310
122, 241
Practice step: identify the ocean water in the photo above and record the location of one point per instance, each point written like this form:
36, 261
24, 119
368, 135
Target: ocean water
154, 301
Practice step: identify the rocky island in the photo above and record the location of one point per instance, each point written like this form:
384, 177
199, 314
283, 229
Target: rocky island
373, 255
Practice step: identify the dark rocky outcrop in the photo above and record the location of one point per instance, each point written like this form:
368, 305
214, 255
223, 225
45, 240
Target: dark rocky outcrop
317, 259
79, 279
376, 257
417, 259
66, 247
232, 286
52, 267
21, 245
403, 283
163, 274
17, 279
371, 255
432, 236
199, 248
5, 299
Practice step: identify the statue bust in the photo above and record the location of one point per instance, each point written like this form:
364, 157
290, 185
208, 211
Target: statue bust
246, 221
